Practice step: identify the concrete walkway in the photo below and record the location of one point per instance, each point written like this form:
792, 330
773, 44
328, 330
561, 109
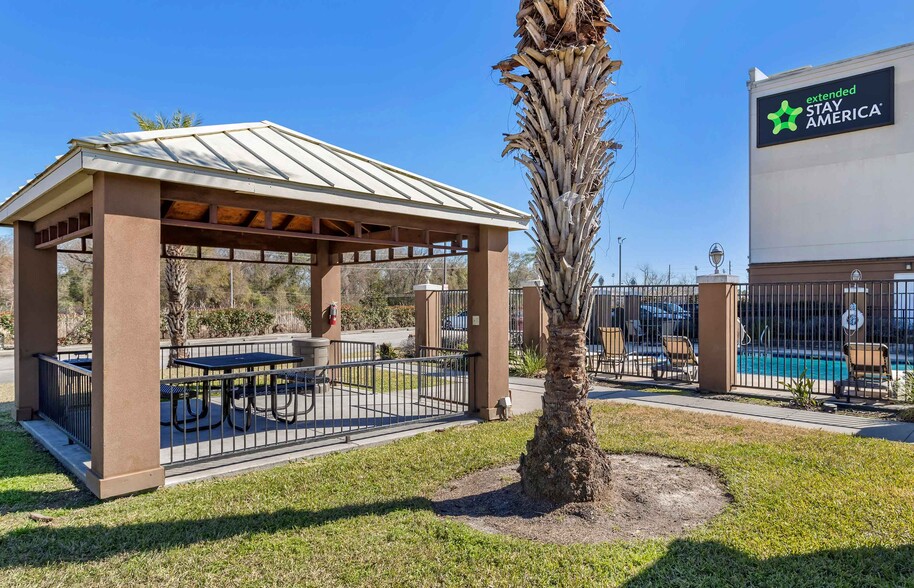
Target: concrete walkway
527, 396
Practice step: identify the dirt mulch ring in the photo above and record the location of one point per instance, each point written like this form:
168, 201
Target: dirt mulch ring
651, 497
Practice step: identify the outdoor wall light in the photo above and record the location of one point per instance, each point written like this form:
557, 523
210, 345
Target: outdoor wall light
716, 256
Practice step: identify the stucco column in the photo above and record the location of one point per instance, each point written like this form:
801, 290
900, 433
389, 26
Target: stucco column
487, 320
35, 314
536, 321
428, 316
125, 336
717, 332
326, 288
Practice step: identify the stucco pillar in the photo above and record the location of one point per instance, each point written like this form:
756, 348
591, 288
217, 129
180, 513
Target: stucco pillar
536, 321
125, 336
717, 332
428, 316
35, 314
326, 288
487, 320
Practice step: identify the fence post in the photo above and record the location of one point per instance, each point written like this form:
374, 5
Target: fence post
535, 318
428, 316
717, 332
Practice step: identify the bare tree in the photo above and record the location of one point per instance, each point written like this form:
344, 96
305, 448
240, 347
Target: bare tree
561, 75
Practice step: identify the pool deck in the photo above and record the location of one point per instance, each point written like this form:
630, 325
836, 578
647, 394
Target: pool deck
527, 396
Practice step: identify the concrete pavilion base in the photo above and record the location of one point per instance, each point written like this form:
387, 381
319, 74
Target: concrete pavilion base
125, 485
76, 460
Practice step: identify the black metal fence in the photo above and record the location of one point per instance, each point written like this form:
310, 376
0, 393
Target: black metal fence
628, 323
208, 416
454, 318
808, 330
516, 318
64, 397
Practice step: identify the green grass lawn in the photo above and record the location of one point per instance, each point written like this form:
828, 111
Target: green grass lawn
810, 509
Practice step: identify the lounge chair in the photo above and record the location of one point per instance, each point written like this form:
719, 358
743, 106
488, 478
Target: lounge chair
614, 352
866, 363
633, 330
679, 356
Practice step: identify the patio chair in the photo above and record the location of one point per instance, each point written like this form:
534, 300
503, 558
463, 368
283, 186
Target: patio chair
679, 356
866, 363
614, 352
633, 330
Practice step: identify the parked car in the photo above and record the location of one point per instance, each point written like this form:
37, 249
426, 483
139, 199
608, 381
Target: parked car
674, 309
654, 314
457, 322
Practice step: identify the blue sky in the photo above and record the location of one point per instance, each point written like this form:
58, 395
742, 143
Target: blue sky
410, 83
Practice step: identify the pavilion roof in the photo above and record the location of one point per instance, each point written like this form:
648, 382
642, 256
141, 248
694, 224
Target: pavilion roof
257, 158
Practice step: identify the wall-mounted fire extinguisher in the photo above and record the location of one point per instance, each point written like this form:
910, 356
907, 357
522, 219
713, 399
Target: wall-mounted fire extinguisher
333, 312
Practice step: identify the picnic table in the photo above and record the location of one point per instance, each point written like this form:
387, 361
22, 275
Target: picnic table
226, 364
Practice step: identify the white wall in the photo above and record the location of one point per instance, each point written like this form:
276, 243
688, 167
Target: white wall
847, 196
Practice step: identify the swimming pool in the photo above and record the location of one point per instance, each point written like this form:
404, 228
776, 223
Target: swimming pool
782, 367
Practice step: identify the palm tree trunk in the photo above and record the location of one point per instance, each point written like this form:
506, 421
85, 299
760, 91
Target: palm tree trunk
561, 75
176, 313
563, 462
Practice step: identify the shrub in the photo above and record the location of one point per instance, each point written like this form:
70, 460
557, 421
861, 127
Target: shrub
303, 313
235, 322
80, 333
906, 415
6, 323
528, 363
903, 387
801, 391
387, 351
403, 316
408, 347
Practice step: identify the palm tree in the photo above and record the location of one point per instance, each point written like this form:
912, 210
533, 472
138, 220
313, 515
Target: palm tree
561, 75
175, 269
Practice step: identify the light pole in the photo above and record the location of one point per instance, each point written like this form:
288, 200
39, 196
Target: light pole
621, 240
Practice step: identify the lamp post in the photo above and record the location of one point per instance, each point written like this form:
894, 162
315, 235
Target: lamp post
716, 256
621, 240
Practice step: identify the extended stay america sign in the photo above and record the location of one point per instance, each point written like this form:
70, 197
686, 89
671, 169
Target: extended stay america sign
850, 104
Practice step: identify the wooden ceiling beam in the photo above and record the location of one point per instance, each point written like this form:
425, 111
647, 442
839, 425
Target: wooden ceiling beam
219, 228
376, 216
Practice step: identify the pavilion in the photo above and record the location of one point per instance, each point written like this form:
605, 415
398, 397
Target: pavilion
252, 187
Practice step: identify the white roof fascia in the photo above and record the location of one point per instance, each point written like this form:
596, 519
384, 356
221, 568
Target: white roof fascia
60, 171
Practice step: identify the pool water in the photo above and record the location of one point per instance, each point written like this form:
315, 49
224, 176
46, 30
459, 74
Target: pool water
792, 367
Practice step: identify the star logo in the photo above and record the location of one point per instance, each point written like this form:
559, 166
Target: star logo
777, 118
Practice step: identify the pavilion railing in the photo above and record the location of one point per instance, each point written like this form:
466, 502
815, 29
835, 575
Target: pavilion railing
64, 394
354, 357
208, 416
